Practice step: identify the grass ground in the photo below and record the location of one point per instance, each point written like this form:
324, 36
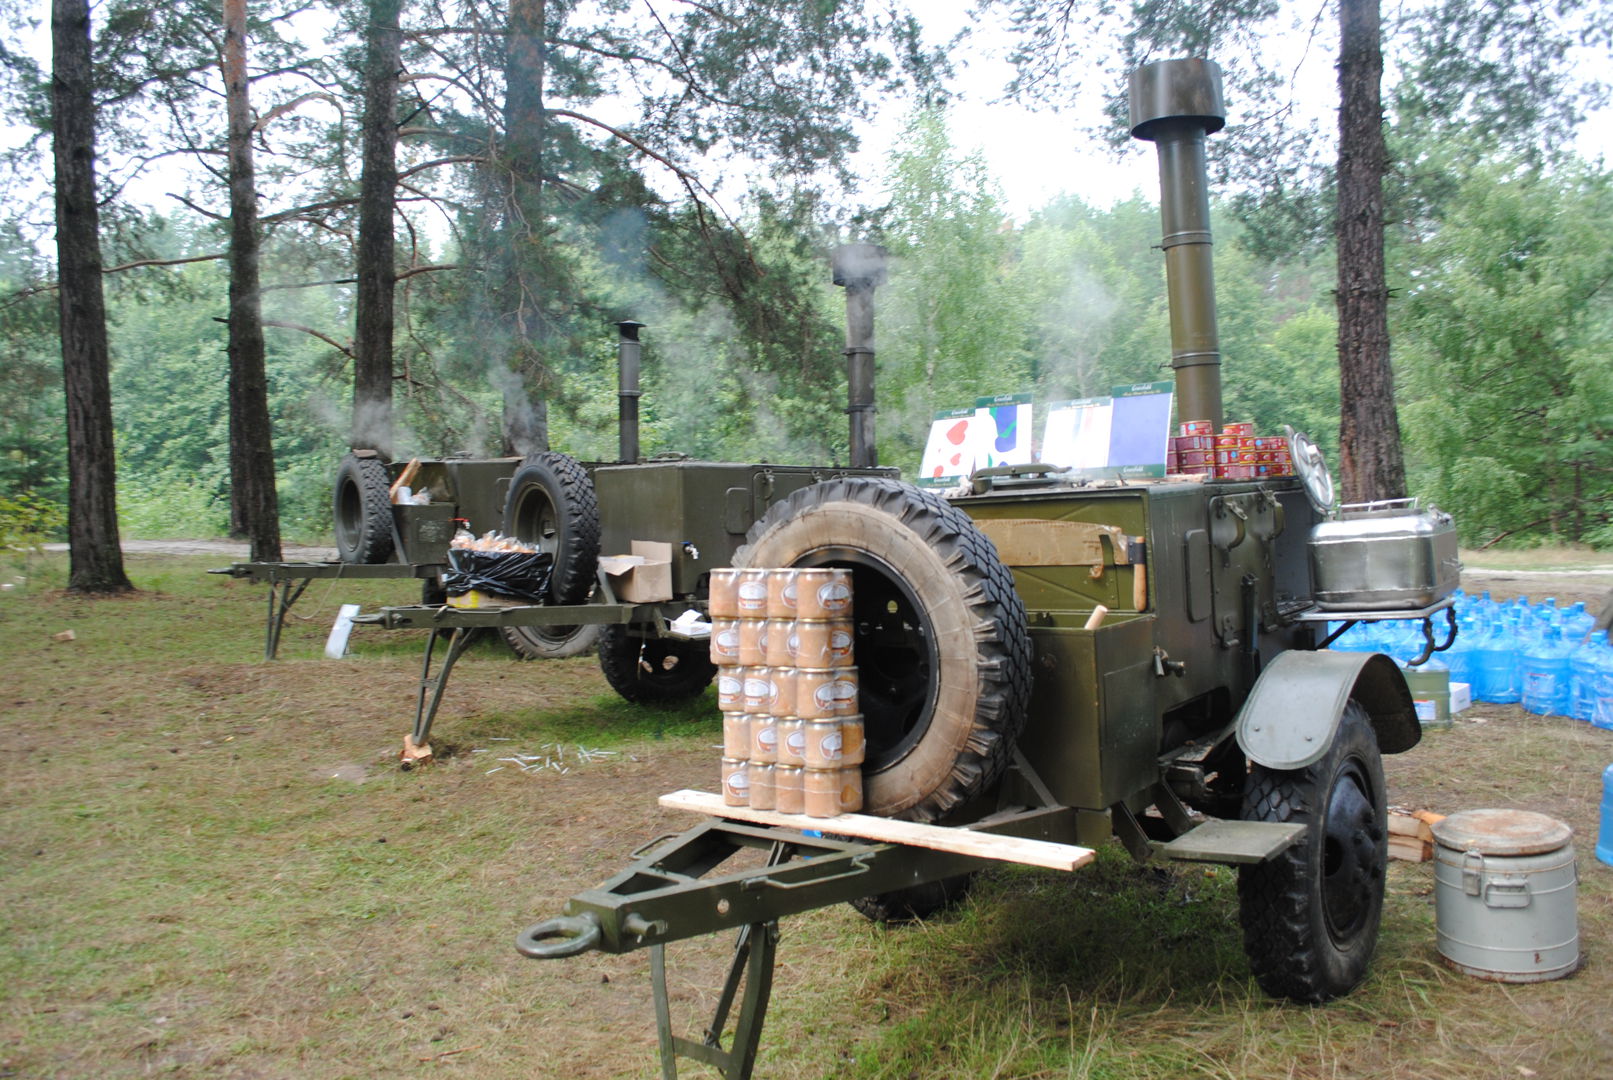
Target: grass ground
210, 866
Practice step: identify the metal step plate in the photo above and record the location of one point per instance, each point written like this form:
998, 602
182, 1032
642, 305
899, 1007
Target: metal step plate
1232, 842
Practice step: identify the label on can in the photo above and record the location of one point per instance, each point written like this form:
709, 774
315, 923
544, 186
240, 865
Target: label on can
752, 593
725, 642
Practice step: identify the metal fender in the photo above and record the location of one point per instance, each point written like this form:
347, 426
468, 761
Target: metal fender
1289, 718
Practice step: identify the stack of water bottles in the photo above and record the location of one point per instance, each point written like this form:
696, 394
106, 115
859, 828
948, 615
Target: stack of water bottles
1514, 652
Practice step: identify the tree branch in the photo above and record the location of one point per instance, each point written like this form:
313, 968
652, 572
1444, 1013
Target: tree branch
326, 338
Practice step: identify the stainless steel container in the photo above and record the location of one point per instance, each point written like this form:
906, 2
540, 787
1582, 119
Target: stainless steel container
1383, 556
1505, 895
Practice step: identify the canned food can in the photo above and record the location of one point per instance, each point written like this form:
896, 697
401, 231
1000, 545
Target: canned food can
731, 689
821, 593
751, 652
791, 740
790, 796
763, 740
735, 782
851, 789
736, 735
853, 740
1237, 429
722, 600
822, 643
1196, 427
779, 584
822, 744
750, 598
763, 793
777, 637
824, 692
725, 642
763, 690
821, 792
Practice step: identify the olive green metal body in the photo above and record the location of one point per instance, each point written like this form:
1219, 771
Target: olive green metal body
701, 508
1109, 703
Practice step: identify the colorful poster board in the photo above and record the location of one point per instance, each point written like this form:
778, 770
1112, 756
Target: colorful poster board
949, 453
1123, 435
1003, 430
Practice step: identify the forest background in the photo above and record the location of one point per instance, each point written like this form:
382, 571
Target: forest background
708, 213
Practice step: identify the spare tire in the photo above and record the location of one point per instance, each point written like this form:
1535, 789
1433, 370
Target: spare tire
943, 653
552, 504
362, 511
654, 670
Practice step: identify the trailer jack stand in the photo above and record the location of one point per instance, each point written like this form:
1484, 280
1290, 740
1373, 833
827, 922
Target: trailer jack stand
752, 964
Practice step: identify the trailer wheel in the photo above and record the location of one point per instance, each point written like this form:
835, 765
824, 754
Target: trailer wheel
943, 654
550, 642
552, 504
654, 670
915, 902
362, 511
1310, 915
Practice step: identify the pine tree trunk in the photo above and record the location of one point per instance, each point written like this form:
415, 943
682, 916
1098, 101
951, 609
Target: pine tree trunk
376, 272
526, 424
254, 509
1371, 466
95, 555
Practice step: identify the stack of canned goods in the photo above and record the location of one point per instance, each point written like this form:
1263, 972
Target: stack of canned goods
787, 688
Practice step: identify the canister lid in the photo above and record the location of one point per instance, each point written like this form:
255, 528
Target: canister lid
1502, 832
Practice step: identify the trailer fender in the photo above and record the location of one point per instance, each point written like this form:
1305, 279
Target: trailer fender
1289, 719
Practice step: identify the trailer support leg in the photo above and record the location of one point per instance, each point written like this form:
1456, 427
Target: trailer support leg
283, 592
424, 712
752, 965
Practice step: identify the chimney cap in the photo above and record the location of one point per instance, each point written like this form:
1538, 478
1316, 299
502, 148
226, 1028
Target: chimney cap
1186, 91
858, 264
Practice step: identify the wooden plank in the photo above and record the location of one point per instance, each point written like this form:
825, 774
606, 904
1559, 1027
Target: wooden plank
890, 831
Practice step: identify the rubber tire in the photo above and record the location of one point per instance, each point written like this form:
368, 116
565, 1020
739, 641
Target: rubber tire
942, 647
552, 503
550, 642
361, 511
1310, 915
916, 902
672, 670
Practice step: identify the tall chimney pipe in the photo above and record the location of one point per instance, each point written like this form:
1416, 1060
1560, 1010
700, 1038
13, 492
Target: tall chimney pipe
628, 351
860, 268
1175, 104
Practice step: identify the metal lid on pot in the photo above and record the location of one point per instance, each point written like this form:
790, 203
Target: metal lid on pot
1502, 832
1311, 468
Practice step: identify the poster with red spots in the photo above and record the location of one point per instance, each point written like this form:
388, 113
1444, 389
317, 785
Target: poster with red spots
950, 452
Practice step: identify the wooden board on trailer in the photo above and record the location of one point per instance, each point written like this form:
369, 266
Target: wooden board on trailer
890, 831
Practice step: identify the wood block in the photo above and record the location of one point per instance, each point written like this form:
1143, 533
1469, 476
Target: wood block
890, 831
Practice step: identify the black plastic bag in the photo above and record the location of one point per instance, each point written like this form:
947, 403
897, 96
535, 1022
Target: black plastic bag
523, 575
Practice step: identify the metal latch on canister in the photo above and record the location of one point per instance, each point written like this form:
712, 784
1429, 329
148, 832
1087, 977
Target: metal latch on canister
1498, 890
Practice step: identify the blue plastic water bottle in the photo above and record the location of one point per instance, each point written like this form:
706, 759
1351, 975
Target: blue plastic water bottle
1544, 672
1496, 664
1604, 843
1583, 667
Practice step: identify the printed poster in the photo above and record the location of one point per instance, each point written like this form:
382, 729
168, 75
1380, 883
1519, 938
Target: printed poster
1076, 435
949, 453
1124, 435
1004, 430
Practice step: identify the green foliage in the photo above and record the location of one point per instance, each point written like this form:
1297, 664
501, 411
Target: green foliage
1503, 339
951, 327
27, 521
